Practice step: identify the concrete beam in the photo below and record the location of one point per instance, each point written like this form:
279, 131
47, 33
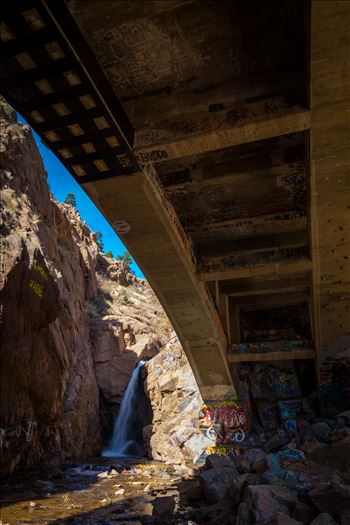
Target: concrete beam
330, 192
155, 238
264, 127
274, 270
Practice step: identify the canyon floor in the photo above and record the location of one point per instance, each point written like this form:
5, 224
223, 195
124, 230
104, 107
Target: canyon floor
102, 491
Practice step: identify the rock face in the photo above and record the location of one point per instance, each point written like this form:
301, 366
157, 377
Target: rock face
74, 322
175, 399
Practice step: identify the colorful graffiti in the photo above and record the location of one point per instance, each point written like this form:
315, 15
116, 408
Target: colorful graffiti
224, 423
271, 382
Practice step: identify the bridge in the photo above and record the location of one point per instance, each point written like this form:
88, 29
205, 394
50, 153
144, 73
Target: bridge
214, 137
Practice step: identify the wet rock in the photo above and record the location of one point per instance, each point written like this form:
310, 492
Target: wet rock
216, 482
266, 500
46, 486
331, 497
163, 506
324, 519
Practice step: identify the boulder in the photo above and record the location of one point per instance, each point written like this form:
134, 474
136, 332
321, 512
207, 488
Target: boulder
283, 519
216, 461
344, 517
265, 501
321, 431
163, 506
244, 515
253, 461
324, 519
216, 482
303, 513
331, 497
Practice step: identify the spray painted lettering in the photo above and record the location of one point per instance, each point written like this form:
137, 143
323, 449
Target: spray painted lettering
37, 288
223, 422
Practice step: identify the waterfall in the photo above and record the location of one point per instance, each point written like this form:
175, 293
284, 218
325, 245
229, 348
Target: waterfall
125, 440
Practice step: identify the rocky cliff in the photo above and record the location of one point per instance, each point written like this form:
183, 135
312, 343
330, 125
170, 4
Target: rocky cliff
74, 322
174, 434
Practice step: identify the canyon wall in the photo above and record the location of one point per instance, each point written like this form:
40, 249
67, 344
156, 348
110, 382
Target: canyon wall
74, 322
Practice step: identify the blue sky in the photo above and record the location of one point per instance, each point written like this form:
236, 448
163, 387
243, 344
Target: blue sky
61, 183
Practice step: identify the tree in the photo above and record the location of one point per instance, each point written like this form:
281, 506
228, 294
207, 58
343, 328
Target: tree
99, 241
126, 258
70, 199
109, 254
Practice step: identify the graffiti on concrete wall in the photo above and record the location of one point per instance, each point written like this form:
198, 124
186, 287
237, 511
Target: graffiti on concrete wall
244, 225
224, 423
254, 259
270, 382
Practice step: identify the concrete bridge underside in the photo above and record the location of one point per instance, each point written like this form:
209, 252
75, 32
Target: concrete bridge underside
214, 137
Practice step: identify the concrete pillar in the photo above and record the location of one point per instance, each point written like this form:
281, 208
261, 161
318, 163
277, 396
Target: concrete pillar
330, 198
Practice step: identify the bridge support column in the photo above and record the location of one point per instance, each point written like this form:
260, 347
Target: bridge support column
330, 207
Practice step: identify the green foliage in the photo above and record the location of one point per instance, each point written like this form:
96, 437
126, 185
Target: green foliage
126, 258
99, 241
109, 254
70, 199
126, 299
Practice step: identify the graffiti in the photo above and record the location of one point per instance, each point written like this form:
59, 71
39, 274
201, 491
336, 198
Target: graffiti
23, 432
223, 422
40, 270
151, 156
253, 215
270, 382
121, 227
241, 225
224, 450
124, 160
237, 115
178, 177
268, 414
265, 347
37, 288
254, 259
290, 409
214, 108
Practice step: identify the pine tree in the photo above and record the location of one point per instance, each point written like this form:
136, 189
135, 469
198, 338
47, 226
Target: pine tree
70, 199
109, 254
126, 258
99, 241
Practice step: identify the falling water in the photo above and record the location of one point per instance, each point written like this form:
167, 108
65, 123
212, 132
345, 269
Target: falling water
124, 441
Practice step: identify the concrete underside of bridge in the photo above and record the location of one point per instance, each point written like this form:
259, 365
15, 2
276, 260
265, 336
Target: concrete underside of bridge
232, 182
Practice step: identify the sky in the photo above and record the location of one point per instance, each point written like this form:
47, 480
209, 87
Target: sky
61, 183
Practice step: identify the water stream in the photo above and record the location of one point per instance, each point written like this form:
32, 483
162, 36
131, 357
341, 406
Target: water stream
125, 441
